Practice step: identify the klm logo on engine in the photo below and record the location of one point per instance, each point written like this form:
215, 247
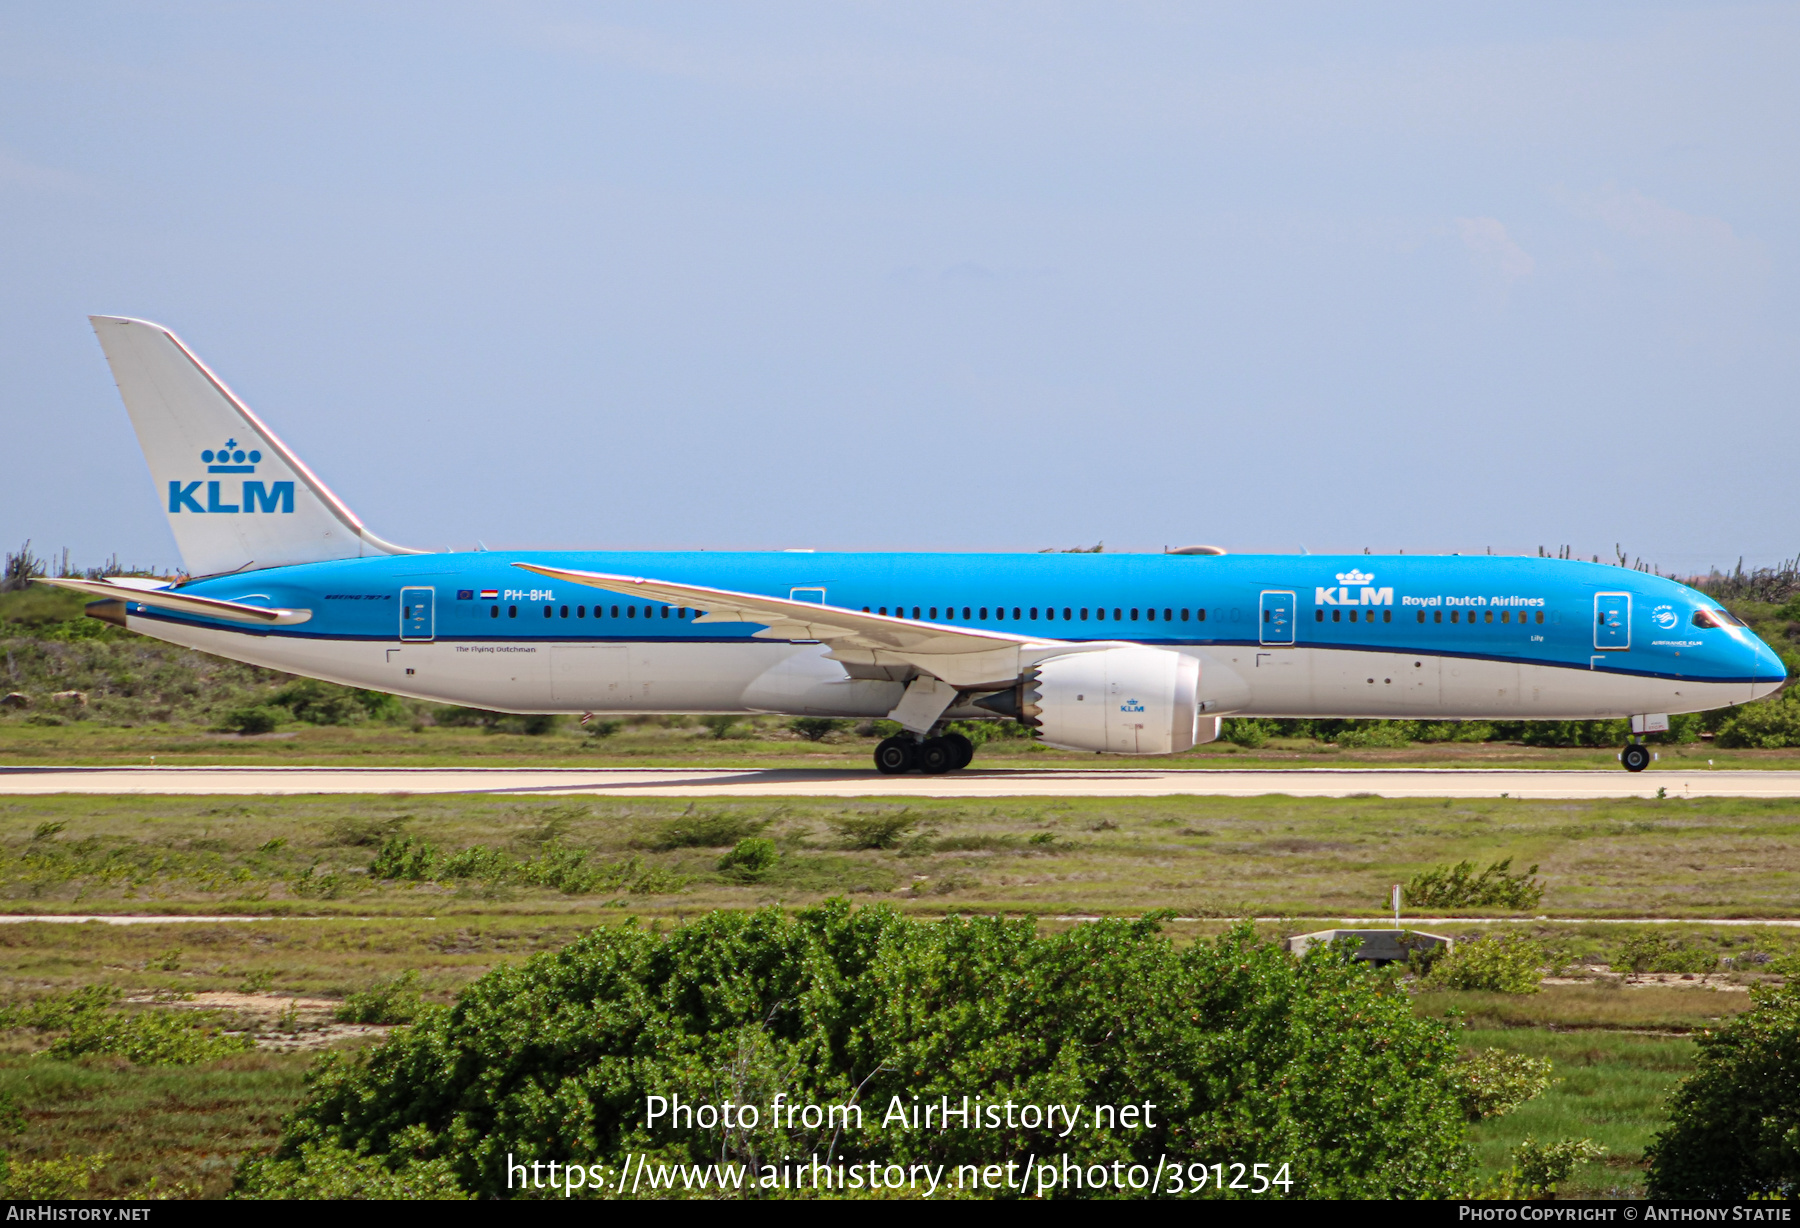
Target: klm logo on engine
251, 496
1354, 587
1132, 705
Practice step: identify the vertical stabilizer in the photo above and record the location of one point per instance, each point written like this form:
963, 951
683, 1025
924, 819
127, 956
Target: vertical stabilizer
236, 497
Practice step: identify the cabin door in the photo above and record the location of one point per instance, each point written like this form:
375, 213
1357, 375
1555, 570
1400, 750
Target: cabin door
416, 613
1277, 626
1612, 621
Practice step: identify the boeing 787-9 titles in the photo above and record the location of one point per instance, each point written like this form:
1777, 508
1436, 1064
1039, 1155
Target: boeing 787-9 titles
1136, 654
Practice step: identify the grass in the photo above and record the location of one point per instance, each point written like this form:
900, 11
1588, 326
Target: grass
336, 932
1611, 1089
1204, 857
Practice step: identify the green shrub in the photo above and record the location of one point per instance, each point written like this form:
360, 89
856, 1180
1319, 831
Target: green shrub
405, 858
65, 1177
478, 861
722, 727
873, 831
1244, 731
751, 858
325, 1171
815, 728
1575, 733
261, 718
1537, 1169
1458, 886
92, 1026
1767, 725
1243, 1050
1495, 1081
320, 703
599, 730
1369, 734
391, 1001
1499, 963
1663, 953
1734, 1125
707, 831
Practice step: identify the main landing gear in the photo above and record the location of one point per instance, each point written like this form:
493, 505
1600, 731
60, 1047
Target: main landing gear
1635, 757
905, 753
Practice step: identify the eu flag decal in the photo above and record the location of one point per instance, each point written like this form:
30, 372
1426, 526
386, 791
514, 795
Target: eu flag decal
465, 594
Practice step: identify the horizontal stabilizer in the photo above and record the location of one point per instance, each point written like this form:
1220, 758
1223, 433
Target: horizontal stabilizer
162, 599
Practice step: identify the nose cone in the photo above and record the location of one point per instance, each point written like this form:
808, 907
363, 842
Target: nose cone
1767, 672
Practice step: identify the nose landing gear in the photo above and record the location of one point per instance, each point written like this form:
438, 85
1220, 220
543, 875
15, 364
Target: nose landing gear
901, 753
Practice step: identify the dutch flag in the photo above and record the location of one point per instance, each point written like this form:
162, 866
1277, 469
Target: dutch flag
490, 594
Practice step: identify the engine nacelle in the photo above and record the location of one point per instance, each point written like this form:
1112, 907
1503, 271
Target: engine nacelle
1127, 701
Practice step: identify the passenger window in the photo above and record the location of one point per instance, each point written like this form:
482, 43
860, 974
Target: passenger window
983, 613
1337, 616
1050, 612
1266, 617
615, 612
630, 611
1016, 613
1200, 615
1487, 616
1437, 616
1118, 614
915, 611
549, 611
580, 611
882, 610
1034, 612
1421, 615
1387, 616
1455, 615
665, 611
1067, 612
1084, 611
682, 612
1505, 616
1318, 616
965, 613
1169, 615
493, 611
1540, 616
1100, 614
934, 611
565, 611
1184, 616
512, 611
1133, 613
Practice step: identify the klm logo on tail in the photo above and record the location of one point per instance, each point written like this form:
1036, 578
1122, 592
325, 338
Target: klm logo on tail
254, 496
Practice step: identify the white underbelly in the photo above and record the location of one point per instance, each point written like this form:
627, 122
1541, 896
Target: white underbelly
1312, 682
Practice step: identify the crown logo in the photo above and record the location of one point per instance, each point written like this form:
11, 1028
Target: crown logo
1355, 576
231, 459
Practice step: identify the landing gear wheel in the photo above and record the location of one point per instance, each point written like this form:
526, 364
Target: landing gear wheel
896, 755
936, 755
1635, 757
963, 748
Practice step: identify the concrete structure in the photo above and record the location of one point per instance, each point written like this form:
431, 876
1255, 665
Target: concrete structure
1379, 947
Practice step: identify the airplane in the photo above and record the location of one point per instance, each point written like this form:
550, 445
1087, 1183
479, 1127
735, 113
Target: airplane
1130, 654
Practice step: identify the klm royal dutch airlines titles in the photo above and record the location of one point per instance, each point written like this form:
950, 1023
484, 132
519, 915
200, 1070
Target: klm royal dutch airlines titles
1130, 654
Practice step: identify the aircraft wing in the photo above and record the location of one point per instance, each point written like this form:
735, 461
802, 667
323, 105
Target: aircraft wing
960, 656
207, 607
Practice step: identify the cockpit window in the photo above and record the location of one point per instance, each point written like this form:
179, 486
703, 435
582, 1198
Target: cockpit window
1716, 618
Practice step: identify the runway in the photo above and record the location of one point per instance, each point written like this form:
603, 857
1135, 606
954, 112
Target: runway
821, 782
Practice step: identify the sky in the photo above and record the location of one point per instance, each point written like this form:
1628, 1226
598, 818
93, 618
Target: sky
925, 276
